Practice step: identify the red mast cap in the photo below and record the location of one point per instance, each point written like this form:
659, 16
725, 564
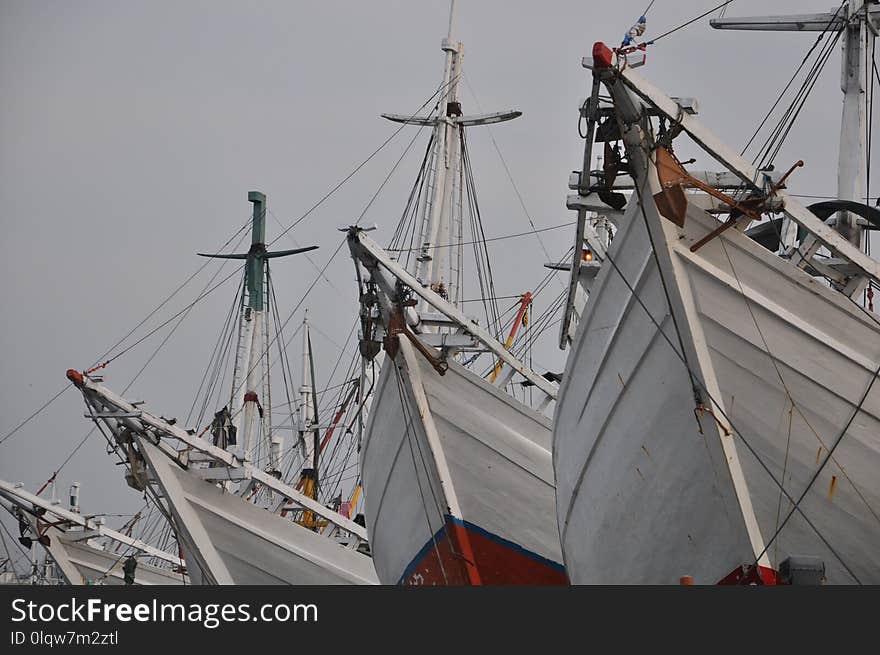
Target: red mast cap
603, 56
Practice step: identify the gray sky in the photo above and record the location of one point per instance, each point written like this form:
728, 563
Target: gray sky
131, 132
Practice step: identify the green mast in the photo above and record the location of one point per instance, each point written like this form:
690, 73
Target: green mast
256, 257
251, 339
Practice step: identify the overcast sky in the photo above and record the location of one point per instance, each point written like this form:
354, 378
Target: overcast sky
131, 132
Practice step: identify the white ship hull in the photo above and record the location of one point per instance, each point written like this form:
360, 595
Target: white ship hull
458, 480
77, 551
82, 563
642, 495
227, 540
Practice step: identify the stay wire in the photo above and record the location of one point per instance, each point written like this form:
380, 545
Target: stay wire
360, 165
42, 407
733, 427
507, 171
790, 81
488, 240
798, 107
282, 352
216, 353
332, 257
174, 328
699, 384
184, 310
120, 341
693, 20
408, 423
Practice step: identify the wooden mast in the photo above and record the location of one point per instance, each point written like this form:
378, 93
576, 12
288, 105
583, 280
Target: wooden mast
859, 21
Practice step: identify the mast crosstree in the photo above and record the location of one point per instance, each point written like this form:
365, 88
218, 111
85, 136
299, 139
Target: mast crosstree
440, 231
246, 404
859, 20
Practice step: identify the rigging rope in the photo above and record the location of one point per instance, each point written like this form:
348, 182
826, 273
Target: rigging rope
522, 203
215, 353
326, 266
286, 371
37, 412
870, 66
177, 325
692, 20
408, 424
796, 507
482, 261
700, 386
487, 240
307, 255
362, 164
778, 372
778, 136
790, 81
733, 427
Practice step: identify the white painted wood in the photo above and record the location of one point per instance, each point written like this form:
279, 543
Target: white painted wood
816, 22
413, 380
640, 492
858, 50
233, 541
751, 176
636, 502
19, 495
74, 551
364, 248
98, 393
642, 496
95, 565
496, 452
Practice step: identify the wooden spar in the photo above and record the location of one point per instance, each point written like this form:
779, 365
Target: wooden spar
316, 436
15, 494
104, 396
858, 20
339, 414
525, 301
440, 208
755, 179
371, 254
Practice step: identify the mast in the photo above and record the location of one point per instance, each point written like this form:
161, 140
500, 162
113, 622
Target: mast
859, 21
858, 40
440, 228
316, 436
249, 380
308, 418
246, 403
430, 265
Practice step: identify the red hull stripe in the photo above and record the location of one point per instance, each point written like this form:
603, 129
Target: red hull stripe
497, 560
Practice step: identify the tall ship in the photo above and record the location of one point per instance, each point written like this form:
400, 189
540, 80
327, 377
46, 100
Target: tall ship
719, 415
81, 549
245, 509
457, 471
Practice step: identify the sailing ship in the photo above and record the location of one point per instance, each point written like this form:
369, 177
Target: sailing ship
457, 472
82, 550
237, 519
719, 416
